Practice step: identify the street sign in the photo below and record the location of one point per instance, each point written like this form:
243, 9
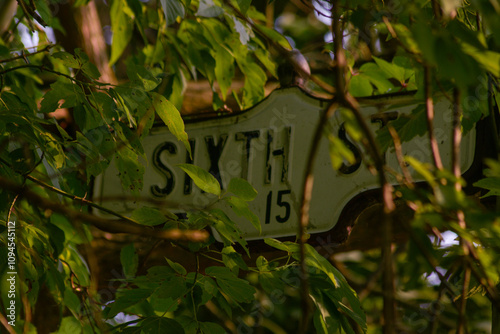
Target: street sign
268, 145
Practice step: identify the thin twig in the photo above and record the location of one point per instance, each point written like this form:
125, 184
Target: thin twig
24, 55
455, 158
456, 137
70, 196
108, 225
12, 207
6, 324
463, 302
436, 312
45, 69
480, 274
437, 9
400, 157
432, 262
348, 101
304, 215
394, 35
429, 108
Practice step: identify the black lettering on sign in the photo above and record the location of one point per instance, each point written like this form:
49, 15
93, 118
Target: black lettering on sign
349, 169
188, 183
246, 136
283, 151
163, 169
214, 153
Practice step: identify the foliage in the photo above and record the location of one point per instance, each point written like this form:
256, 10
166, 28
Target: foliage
426, 50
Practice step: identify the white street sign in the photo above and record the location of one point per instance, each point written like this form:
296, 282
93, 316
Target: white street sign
268, 145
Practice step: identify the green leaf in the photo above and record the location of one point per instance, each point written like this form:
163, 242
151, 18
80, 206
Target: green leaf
235, 288
87, 67
211, 328
203, 179
423, 169
177, 267
129, 137
69, 325
376, 76
172, 9
67, 59
131, 171
148, 216
160, 304
160, 273
233, 259
339, 151
166, 297
408, 127
122, 25
490, 183
255, 79
241, 208
227, 229
343, 296
287, 246
242, 30
275, 36
360, 86
173, 287
391, 70
128, 298
171, 117
325, 319
207, 8
242, 188
264, 57
224, 70
139, 75
129, 260
62, 89
161, 325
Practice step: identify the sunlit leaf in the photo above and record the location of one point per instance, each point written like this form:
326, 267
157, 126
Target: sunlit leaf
171, 117
203, 179
122, 25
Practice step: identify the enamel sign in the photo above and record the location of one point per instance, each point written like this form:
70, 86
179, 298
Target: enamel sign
268, 145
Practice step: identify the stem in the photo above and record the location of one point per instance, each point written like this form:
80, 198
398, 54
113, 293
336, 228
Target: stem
461, 311
304, 217
400, 157
6, 324
24, 55
42, 68
345, 99
108, 225
455, 158
70, 196
429, 107
456, 137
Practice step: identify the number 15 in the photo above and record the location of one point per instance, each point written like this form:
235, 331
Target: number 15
281, 203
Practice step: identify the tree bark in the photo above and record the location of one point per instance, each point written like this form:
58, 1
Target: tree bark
84, 30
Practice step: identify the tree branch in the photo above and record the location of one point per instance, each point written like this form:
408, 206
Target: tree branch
429, 108
107, 225
25, 55
304, 216
44, 69
345, 99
